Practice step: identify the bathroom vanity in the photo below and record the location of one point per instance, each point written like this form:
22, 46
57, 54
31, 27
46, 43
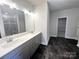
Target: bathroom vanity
17, 37
22, 47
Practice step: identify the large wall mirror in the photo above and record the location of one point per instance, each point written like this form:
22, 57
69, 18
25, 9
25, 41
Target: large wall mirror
12, 21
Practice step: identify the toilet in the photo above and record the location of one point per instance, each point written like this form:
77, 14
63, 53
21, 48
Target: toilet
78, 37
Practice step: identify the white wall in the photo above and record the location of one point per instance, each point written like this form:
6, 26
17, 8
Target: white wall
78, 33
21, 4
41, 21
48, 20
71, 26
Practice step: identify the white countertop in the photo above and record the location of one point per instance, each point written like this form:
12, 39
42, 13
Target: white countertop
7, 48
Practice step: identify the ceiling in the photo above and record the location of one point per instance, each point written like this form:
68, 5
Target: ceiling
29, 4
53, 4
36, 2
62, 4
32, 2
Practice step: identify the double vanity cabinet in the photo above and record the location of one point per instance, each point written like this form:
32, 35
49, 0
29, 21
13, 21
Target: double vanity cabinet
24, 48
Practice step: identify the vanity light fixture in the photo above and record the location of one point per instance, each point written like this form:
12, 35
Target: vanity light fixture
27, 12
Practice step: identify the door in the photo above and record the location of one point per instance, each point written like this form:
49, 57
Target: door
61, 27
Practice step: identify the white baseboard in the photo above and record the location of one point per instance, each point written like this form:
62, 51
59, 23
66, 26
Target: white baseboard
53, 35
78, 45
65, 37
72, 38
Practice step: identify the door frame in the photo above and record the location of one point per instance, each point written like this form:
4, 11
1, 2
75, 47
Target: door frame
65, 26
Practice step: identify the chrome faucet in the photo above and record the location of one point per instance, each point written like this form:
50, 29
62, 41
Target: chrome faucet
9, 39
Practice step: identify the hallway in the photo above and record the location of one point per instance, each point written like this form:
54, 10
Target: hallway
58, 48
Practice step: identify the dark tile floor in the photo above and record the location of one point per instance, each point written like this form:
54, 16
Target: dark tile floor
58, 48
